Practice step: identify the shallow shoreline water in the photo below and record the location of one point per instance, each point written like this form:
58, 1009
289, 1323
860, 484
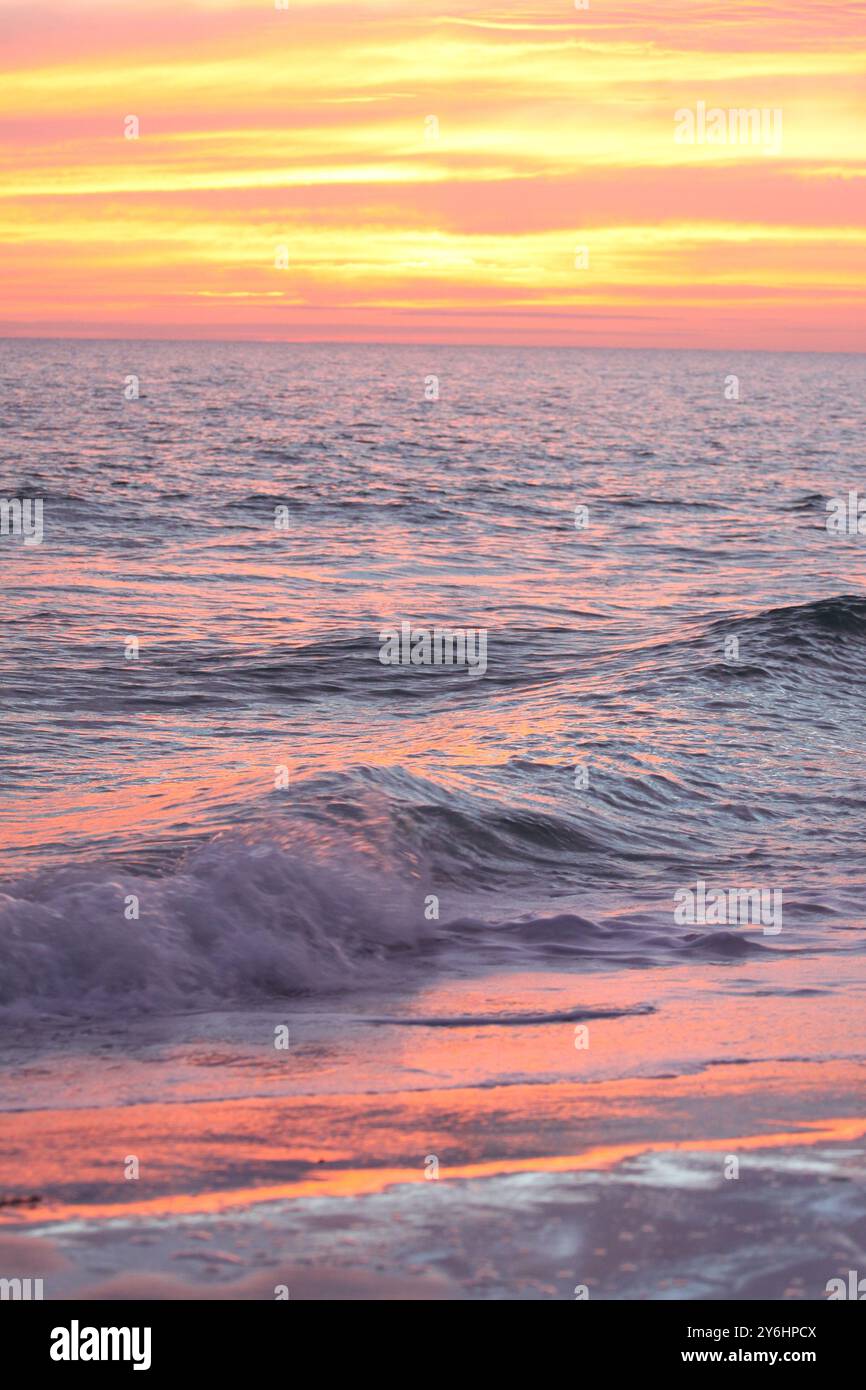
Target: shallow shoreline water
606, 1165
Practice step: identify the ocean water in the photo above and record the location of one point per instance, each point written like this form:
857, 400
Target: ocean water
283, 807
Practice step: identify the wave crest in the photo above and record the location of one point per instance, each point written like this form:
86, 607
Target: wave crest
238, 920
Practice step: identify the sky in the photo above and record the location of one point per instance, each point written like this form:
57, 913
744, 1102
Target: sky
435, 171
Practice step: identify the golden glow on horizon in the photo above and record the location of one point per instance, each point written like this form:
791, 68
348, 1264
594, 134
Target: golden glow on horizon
306, 128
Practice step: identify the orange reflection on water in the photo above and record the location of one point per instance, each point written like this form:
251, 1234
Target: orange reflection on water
356, 1182
207, 1156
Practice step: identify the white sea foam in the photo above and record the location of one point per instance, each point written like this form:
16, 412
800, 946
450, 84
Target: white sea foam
238, 920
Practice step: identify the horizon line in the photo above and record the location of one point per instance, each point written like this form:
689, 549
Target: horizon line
396, 342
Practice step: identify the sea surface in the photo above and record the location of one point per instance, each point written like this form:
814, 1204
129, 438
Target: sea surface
287, 932
291, 814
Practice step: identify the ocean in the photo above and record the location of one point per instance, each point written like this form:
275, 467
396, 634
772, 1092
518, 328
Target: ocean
227, 811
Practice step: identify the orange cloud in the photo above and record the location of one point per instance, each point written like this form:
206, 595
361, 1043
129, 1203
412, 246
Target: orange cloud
389, 171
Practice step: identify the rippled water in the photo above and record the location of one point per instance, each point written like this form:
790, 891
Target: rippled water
259, 650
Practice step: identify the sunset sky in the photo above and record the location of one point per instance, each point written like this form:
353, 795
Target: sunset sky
309, 128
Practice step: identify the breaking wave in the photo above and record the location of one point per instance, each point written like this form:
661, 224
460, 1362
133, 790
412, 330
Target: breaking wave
237, 921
